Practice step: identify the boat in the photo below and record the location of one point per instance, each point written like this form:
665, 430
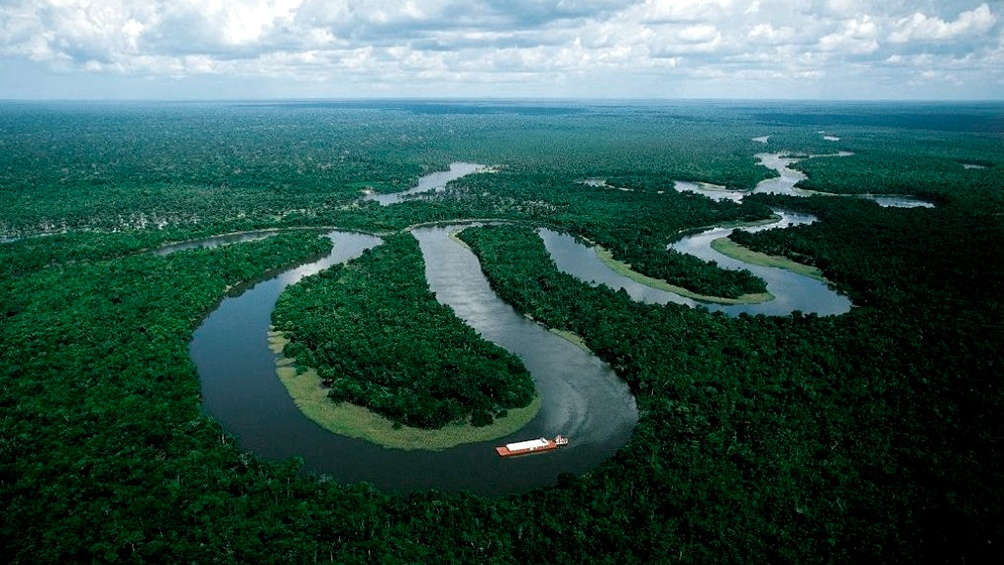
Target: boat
531, 446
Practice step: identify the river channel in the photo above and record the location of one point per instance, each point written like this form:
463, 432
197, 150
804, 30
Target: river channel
791, 291
432, 182
581, 396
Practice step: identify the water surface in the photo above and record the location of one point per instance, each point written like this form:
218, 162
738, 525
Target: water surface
791, 291
434, 182
582, 397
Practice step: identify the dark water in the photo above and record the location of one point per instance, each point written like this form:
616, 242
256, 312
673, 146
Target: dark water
582, 397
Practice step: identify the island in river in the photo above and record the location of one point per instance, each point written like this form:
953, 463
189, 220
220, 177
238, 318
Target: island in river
865, 434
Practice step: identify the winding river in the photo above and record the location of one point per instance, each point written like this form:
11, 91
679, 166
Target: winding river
786, 180
581, 396
791, 290
432, 182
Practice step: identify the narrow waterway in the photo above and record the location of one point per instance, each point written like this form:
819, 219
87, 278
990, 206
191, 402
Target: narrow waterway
791, 291
785, 183
216, 241
434, 182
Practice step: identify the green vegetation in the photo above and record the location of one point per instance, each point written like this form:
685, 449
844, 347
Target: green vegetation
635, 226
626, 270
726, 246
890, 163
835, 421
311, 397
868, 437
379, 339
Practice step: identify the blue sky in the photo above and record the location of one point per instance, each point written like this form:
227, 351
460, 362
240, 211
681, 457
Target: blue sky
240, 49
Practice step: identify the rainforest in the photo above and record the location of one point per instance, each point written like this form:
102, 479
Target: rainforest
770, 330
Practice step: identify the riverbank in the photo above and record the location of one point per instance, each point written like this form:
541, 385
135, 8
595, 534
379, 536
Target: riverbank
358, 422
623, 269
729, 248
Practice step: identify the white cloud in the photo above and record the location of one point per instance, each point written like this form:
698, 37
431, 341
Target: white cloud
856, 36
920, 27
665, 11
768, 34
680, 46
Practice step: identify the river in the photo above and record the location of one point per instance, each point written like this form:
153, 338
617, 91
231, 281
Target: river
582, 397
434, 182
786, 180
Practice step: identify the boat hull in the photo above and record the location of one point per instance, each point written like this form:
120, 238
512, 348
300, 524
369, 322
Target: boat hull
504, 451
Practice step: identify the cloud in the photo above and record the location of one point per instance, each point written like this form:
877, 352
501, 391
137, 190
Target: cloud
690, 47
920, 27
856, 36
765, 33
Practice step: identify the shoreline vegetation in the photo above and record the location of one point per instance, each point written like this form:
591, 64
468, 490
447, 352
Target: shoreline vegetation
870, 436
375, 331
357, 422
731, 249
625, 269
570, 337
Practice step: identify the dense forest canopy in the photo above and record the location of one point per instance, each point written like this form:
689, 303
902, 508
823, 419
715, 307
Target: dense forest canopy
375, 333
872, 436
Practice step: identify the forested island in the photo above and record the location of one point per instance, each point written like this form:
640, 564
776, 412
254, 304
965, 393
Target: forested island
377, 338
869, 436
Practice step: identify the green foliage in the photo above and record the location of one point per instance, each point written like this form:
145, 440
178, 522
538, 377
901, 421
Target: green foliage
868, 437
376, 332
808, 435
636, 224
930, 165
893, 256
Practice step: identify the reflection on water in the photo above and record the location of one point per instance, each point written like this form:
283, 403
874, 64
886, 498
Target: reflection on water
582, 396
892, 201
713, 192
785, 183
791, 291
787, 179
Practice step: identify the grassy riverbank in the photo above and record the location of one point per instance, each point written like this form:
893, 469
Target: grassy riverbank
624, 269
729, 248
357, 422
572, 338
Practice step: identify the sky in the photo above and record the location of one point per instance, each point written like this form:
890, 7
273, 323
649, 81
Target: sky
592, 49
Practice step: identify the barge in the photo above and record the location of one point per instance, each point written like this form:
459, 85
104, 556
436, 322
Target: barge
531, 446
